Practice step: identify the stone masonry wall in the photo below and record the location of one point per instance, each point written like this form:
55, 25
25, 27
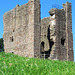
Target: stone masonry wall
61, 35
56, 34
69, 36
27, 35
19, 29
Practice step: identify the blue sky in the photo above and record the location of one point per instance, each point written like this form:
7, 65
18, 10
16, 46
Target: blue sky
46, 5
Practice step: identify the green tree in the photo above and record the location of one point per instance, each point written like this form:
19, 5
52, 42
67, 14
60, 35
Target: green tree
1, 45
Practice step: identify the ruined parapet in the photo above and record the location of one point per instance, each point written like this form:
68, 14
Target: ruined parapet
53, 11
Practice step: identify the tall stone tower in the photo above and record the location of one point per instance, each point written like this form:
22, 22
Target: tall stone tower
22, 29
69, 36
34, 27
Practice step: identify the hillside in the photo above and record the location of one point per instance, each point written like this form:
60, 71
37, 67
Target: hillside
11, 64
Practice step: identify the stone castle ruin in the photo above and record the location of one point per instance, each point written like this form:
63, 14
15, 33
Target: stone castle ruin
27, 35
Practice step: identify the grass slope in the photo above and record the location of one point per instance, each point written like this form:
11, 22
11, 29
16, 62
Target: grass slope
11, 64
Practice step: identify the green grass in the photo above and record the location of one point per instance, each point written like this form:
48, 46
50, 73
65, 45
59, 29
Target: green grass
11, 64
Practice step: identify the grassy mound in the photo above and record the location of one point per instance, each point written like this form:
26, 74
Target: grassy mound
11, 64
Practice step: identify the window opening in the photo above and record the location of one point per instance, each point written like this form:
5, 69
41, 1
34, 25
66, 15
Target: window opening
62, 41
11, 39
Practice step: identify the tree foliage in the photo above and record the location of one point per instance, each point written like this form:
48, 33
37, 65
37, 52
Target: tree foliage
1, 45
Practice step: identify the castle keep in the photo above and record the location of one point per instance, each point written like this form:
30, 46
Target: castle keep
27, 35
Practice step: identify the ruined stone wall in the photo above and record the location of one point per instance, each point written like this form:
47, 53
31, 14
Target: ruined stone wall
61, 35
56, 34
69, 36
20, 24
44, 31
26, 35
48, 37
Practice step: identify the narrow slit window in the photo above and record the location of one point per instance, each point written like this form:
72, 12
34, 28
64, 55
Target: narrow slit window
11, 39
62, 41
